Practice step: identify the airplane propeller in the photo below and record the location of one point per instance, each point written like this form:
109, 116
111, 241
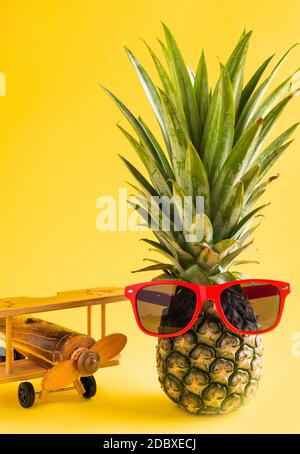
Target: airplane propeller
83, 362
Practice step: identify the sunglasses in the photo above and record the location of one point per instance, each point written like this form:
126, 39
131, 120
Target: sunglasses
168, 308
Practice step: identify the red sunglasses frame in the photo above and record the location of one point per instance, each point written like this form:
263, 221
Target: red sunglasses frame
205, 293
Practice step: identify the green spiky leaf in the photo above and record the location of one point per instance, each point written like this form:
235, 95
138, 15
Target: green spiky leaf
157, 266
246, 235
178, 136
285, 89
139, 177
280, 140
196, 274
228, 215
151, 93
251, 108
269, 157
236, 67
223, 247
184, 88
251, 85
207, 257
155, 244
162, 157
269, 123
154, 170
221, 278
219, 127
163, 75
235, 165
201, 90
140, 131
250, 179
227, 261
246, 219
244, 262
196, 184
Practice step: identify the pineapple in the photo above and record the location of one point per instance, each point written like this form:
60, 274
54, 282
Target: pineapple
215, 146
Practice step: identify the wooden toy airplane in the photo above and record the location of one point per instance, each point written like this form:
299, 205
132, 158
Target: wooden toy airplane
36, 348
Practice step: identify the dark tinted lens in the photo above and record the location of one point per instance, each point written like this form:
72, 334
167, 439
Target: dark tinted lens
252, 306
165, 308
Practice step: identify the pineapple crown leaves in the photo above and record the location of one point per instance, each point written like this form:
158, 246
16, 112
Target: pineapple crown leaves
214, 144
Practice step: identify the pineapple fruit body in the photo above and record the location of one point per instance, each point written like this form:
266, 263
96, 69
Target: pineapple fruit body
215, 144
210, 370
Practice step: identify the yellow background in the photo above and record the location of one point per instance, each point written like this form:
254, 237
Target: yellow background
59, 148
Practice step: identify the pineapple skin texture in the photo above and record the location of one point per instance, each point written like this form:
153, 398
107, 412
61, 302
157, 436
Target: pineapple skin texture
210, 370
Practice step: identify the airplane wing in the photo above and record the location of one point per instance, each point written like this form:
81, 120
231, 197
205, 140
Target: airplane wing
62, 300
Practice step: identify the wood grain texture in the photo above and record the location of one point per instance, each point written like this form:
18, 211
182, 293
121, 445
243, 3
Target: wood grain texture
23, 369
47, 343
103, 320
79, 387
89, 320
43, 342
9, 350
60, 376
62, 300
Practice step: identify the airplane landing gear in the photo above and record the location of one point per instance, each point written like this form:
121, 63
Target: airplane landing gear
26, 394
